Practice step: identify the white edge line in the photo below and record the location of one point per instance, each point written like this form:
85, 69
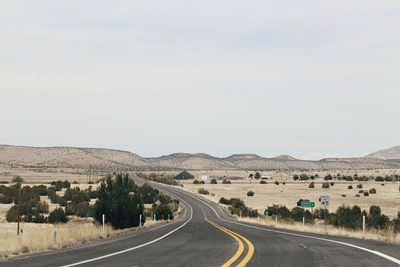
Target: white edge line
390, 258
133, 248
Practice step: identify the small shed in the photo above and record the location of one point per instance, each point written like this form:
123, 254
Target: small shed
184, 176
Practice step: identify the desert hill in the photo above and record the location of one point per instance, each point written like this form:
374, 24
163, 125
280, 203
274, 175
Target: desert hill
111, 159
390, 153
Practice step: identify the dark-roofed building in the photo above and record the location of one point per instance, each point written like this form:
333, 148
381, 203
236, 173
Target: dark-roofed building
184, 176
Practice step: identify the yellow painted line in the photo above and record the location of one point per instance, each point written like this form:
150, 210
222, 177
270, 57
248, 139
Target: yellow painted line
239, 250
250, 251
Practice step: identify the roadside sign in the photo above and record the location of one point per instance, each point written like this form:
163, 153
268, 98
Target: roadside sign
266, 213
325, 200
305, 204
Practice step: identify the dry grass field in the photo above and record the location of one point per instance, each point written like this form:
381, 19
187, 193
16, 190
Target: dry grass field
387, 196
40, 237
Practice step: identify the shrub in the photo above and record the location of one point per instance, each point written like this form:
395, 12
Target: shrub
284, 183
311, 185
75, 182
304, 177
279, 210
366, 194
3, 182
372, 191
301, 200
119, 202
250, 193
343, 195
5, 199
226, 181
83, 209
332, 183
382, 184
325, 185
203, 191
196, 182
17, 179
359, 186
348, 217
263, 182
361, 191
225, 201
163, 211
42, 207
57, 216
276, 182
213, 181
357, 195
350, 187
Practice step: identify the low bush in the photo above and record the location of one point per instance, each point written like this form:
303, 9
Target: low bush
350, 187
163, 212
213, 181
196, 181
357, 195
57, 216
203, 191
366, 194
325, 185
361, 191
250, 193
17, 179
225, 201
359, 186
3, 182
226, 181
343, 195
276, 182
311, 185
332, 183
263, 182
372, 191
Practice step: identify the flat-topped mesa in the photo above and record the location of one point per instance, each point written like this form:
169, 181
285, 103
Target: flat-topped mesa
243, 156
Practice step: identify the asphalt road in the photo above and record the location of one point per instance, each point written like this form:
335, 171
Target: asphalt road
205, 235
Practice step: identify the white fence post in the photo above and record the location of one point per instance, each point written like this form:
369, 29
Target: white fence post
140, 220
103, 219
303, 220
363, 223
55, 236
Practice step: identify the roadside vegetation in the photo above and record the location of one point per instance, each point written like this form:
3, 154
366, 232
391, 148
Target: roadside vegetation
121, 201
162, 178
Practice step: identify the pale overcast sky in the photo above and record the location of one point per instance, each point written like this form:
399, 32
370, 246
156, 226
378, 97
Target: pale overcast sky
305, 78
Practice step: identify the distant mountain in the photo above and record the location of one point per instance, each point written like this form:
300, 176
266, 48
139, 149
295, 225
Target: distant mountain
117, 160
390, 153
284, 157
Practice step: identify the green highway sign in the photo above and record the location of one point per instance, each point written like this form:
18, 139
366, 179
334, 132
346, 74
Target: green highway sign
307, 204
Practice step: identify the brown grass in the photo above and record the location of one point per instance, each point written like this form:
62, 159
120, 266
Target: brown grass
387, 197
39, 237
318, 228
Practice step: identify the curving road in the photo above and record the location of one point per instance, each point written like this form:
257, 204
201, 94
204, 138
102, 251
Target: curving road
205, 235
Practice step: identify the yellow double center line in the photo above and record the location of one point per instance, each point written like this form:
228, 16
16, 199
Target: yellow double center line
240, 249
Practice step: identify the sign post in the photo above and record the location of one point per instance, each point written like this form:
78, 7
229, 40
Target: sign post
325, 202
55, 237
140, 220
